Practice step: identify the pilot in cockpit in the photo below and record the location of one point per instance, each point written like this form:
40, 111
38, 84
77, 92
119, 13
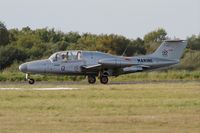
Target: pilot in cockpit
64, 57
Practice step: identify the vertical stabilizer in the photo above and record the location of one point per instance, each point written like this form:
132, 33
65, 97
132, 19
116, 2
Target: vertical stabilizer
171, 49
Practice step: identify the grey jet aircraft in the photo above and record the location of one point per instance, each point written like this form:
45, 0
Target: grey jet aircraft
98, 64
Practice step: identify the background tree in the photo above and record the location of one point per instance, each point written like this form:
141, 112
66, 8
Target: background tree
4, 35
9, 54
136, 47
72, 37
194, 42
153, 39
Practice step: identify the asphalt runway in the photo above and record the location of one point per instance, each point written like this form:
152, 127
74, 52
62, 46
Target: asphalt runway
40, 89
41, 83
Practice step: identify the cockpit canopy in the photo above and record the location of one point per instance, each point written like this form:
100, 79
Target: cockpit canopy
66, 56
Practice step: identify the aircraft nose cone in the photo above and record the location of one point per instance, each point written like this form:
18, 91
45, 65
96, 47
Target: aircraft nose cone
23, 67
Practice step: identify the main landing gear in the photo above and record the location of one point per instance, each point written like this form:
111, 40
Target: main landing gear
103, 79
30, 80
91, 79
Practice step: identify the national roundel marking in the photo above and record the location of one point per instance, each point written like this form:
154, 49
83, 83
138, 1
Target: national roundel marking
165, 52
63, 68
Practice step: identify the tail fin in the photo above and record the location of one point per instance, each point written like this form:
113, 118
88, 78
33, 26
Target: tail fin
171, 49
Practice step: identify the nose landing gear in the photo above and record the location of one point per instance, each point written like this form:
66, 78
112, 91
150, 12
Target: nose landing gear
30, 80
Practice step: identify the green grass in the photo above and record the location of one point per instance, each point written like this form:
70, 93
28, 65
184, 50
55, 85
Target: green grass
145, 108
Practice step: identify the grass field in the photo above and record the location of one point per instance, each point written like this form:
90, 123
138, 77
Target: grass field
135, 108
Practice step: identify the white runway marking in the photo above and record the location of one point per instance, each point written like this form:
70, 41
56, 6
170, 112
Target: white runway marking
10, 88
40, 89
48, 89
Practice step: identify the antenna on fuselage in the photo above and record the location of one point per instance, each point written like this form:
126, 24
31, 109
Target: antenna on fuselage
124, 51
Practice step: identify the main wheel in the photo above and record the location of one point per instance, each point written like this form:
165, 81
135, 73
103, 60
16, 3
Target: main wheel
91, 79
31, 81
104, 79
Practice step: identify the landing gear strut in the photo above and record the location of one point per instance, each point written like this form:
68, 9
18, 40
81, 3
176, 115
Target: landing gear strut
91, 79
30, 81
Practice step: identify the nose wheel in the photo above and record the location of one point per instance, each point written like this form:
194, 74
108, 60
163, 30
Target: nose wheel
91, 79
30, 80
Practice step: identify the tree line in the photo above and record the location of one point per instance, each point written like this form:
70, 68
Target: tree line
27, 44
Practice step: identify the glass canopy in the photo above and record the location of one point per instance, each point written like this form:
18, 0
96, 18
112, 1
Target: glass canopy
66, 56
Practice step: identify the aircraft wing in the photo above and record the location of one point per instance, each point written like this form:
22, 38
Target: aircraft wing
91, 67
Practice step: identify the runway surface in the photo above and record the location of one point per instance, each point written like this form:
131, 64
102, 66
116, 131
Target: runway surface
40, 89
64, 85
85, 83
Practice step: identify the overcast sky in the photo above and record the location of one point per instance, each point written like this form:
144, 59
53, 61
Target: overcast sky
130, 18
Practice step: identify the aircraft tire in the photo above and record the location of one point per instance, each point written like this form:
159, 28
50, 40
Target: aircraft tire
91, 79
31, 81
104, 79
